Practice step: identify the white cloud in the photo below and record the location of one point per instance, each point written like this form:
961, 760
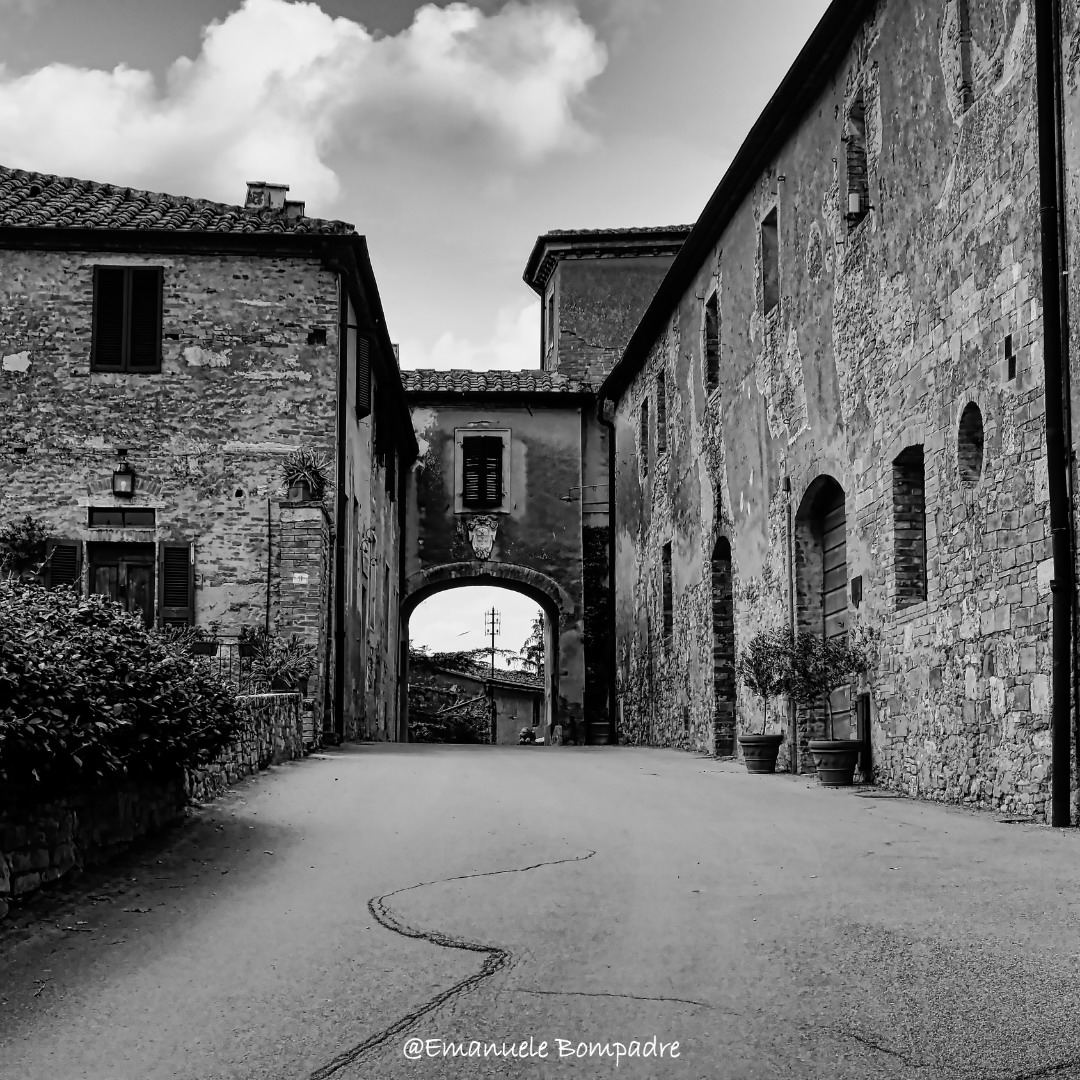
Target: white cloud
514, 344
277, 86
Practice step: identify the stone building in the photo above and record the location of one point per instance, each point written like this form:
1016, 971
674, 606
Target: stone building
512, 483
160, 357
844, 406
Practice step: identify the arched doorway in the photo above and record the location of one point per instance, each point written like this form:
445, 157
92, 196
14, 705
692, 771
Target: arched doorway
723, 618
822, 590
554, 603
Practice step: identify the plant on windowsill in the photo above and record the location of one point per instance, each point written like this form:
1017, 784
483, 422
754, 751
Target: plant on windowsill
820, 667
23, 548
306, 475
763, 666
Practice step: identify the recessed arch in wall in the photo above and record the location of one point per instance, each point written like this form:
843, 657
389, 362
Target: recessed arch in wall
970, 444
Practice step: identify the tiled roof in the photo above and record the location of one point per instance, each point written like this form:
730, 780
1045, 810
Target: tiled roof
645, 230
36, 200
434, 381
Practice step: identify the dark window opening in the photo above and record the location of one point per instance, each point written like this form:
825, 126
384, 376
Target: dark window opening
127, 319
712, 343
909, 527
669, 613
965, 81
1010, 357
661, 413
969, 444
551, 320
643, 436
481, 474
856, 590
858, 179
723, 620
317, 335
770, 261
121, 517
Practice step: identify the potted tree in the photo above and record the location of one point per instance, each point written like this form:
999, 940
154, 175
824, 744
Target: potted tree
819, 667
763, 668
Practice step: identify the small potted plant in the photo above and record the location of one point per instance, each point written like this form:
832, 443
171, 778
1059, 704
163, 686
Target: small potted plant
819, 667
205, 641
763, 668
282, 666
247, 641
306, 475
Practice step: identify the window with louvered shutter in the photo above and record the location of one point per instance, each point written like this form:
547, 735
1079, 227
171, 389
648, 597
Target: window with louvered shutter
127, 318
176, 584
481, 472
363, 377
64, 565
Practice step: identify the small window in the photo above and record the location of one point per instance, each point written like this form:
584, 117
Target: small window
1010, 358
481, 474
661, 413
127, 319
969, 444
770, 261
551, 319
858, 180
669, 614
712, 343
121, 517
643, 437
909, 527
965, 87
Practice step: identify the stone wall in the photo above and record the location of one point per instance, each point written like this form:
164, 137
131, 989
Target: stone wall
42, 842
888, 326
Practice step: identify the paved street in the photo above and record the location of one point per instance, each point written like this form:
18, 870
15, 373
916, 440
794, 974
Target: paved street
597, 895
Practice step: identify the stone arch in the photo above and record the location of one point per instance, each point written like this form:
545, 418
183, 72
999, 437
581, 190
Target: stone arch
723, 649
821, 589
557, 604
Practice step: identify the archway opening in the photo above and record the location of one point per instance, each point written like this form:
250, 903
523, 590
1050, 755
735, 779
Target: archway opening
480, 665
822, 594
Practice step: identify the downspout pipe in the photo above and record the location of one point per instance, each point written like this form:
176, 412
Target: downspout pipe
613, 691
338, 578
1053, 236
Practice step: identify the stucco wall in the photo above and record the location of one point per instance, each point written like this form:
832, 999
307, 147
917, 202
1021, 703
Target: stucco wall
882, 335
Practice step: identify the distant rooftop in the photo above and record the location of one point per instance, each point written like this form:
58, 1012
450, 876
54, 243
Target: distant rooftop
42, 200
599, 243
458, 381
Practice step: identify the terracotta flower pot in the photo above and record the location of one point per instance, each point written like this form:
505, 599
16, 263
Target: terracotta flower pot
835, 760
760, 752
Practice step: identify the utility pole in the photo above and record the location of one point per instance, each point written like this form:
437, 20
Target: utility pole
492, 625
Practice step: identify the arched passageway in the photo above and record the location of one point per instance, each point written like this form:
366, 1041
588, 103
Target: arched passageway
723, 644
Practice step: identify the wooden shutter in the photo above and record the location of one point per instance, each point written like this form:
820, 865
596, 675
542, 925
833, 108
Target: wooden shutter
64, 566
176, 584
481, 472
107, 346
363, 377
144, 319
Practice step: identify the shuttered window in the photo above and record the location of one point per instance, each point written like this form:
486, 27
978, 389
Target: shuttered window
363, 377
481, 474
127, 319
176, 584
64, 566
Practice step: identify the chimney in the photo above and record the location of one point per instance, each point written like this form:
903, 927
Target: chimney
262, 195
294, 208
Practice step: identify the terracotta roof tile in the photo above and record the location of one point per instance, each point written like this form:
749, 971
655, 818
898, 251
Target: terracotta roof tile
41, 200
434, 381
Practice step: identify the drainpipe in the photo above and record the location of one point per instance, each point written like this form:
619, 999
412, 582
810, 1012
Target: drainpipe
613, 697
793, 732
1056, 372
338, 575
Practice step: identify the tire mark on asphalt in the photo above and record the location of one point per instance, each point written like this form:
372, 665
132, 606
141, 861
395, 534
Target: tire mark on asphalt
604, 994
497, 959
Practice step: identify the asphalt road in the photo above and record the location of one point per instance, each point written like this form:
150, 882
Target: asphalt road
318, 917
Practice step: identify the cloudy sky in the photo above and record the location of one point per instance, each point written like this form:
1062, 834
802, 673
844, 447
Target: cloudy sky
451, 134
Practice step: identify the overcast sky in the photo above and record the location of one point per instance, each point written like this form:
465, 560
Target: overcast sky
450, 134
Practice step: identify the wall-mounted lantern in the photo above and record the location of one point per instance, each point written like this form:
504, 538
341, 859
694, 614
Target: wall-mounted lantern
123, 481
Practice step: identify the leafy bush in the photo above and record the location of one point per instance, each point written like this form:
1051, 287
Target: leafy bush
279, 664
470, 724
87, 693
23, 547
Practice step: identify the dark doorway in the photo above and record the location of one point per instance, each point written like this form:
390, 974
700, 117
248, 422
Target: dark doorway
125, 573
723, 651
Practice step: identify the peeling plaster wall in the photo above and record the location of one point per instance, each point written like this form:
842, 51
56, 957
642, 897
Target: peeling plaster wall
542, 531
882, 335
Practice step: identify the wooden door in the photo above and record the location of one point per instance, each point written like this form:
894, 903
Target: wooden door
125, 573
833, 521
